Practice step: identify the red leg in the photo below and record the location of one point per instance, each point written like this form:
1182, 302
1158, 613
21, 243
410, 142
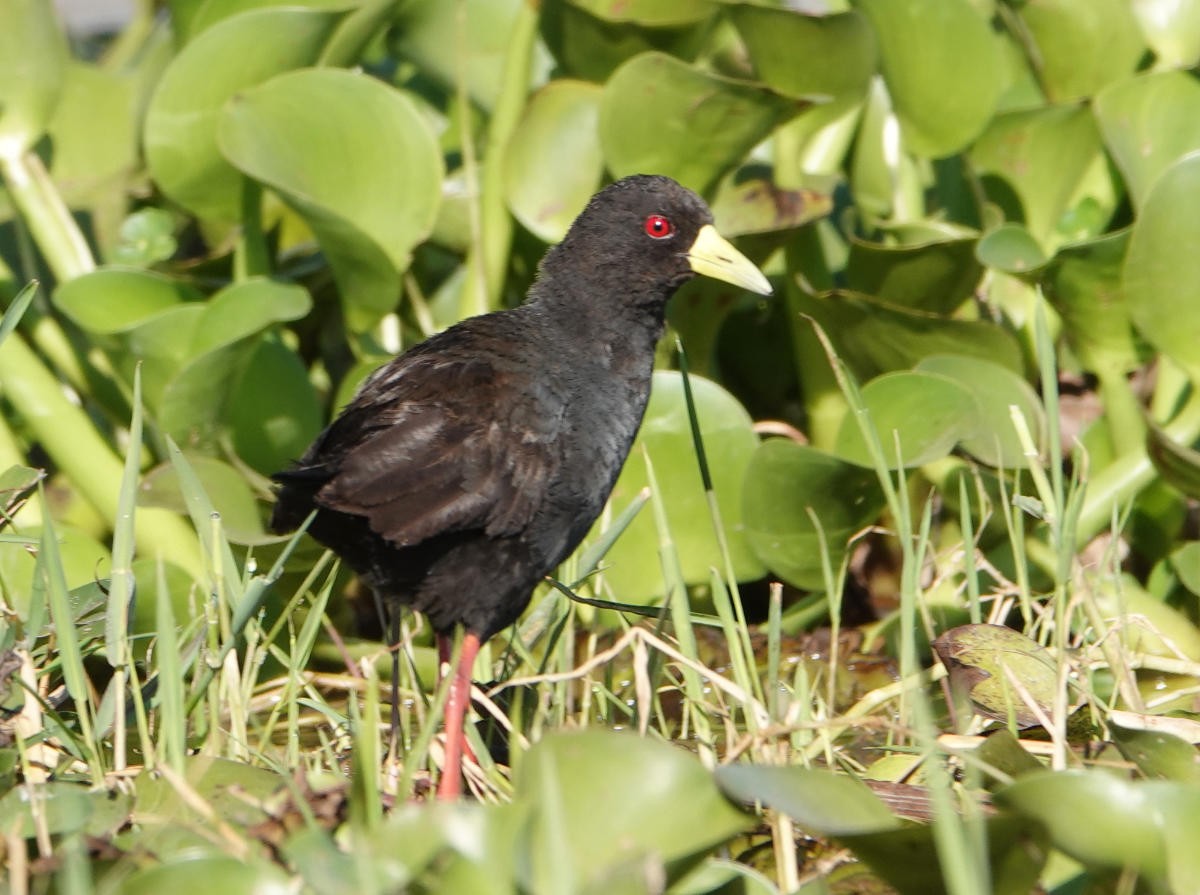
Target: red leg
457, 703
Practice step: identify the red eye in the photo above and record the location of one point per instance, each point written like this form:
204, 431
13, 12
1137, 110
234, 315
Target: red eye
658, 227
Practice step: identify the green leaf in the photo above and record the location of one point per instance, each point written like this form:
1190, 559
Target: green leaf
942, 66
1149, 122
935, 276
634, 570
230, 494
1172, 29
1033, 164
801, 55
663, 116
113, 300
1012, 249
356, 160
783, 483
679, 814
1158, 753
61, 808
756, 205
926, 413
874, 336
983, 660
146, 237
33, 57
195, 874
832, 804
1178, 464
655, 13
1081, 47
1163, 266
554, 164
1123, 822
996, 389
180, 133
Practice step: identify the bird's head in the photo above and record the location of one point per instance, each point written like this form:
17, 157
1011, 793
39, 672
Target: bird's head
650, 235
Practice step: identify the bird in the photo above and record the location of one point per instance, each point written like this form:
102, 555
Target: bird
467, 468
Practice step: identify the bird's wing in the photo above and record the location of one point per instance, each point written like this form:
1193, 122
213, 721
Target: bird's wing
442, 445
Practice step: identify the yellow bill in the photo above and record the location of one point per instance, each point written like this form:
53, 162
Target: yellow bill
711, 255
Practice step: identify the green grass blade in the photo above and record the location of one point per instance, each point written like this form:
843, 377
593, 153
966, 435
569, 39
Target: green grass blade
16, 310
121, 586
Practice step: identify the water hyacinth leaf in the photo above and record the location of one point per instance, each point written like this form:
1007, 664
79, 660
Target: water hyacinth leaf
943, 70
356, 159
984, 660
1149, 122
225, 486
1172, 29
477, 30
1081, 47
1123, 823
1033, 162
634, 569
829, 803
180, 132
145, 237
1012, 249
273, 412
654, 13
1145, 624
874, 336
1162, 266
921, 415
193, 873
935, 276
222, 340
116, 300
554, 163
1185, 563
33, 59
1083, 282
1177, 463
567, 778
1158, 754
801, 55
996, 390
660, 114
785, 481
756, 205
58, 808
593, 46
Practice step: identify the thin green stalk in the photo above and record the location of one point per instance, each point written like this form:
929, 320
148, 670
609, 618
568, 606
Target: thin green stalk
49, 220
67, 435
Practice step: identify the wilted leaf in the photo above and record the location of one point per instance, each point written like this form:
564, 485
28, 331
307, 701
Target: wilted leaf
983, 661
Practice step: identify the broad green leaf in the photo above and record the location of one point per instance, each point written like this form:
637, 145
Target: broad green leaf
356, 159
1012, 249
1123, 827
273, 412
790, 489
1172, 29
228, 489
146, 237
983, 661
465, 41
634, 569
1145, 624
648, 12
57, 808
1083, 282
593, 46
1081, 46
581, 827
996, 390
1158, 754
926, 413
213, 11
1185, 562
554, 164
180, 132
663, 116
1163, 266
83, 558
829, 803
94, 132
1149, 122
756, 205
1033, 164
1178, 464
802, 55
33, 59
942, 66
935, 276
115, 300
875, 337
221, 342
195, 873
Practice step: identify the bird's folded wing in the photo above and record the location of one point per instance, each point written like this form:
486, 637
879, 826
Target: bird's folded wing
432, 471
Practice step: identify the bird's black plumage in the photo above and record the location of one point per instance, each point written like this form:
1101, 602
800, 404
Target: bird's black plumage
470, 466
